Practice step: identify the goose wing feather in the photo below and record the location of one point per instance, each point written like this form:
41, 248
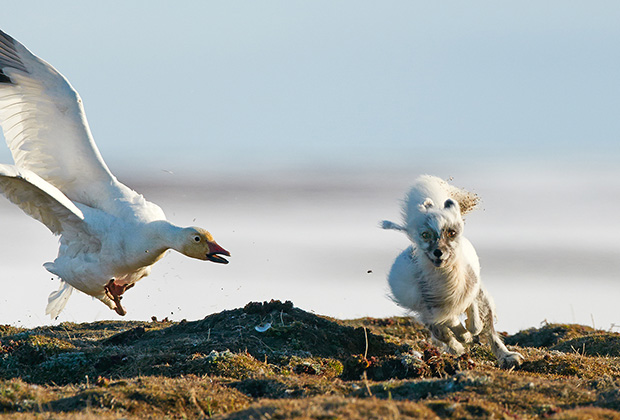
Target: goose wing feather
45, 127
39, 199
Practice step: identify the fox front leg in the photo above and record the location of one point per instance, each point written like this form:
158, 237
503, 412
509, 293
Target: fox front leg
443, 333
474, 322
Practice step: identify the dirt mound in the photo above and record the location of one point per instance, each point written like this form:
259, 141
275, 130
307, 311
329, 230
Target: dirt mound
271, 359
266, 337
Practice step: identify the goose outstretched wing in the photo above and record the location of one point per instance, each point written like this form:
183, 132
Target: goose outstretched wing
45, 127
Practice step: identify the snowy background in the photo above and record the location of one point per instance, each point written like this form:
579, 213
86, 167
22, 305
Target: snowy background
289, 129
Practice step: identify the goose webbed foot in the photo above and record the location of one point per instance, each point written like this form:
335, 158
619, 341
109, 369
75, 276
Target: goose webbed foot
114, 291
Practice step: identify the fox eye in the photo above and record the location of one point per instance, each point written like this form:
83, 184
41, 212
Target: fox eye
196, 238
425, 236
451, 233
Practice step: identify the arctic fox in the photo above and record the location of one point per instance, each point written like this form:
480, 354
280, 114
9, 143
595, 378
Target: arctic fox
438, 276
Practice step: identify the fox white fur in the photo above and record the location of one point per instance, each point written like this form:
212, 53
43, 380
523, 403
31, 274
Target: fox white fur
438, 276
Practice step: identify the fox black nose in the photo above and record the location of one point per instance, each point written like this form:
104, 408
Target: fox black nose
437, 253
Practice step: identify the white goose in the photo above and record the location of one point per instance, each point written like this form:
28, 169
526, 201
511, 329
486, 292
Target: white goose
110, 236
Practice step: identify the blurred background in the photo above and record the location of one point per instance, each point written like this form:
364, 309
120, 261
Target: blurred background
289, 129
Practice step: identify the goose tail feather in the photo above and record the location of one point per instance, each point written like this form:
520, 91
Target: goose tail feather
57, 300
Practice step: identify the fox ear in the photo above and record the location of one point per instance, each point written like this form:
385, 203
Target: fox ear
428, 203
452, 205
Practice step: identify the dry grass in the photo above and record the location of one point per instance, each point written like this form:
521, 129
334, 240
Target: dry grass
303, 367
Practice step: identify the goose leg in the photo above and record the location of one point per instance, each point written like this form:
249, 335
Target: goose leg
114, 292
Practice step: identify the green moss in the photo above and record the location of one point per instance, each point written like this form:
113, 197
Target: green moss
10, 330
230, 365
32, 349
326, 367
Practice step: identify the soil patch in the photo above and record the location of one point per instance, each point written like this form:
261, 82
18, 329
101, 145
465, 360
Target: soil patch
273, 360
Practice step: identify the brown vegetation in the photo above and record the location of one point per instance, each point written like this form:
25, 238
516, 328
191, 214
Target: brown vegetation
272, 360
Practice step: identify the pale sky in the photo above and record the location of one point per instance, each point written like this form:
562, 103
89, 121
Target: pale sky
199, 85
522, 95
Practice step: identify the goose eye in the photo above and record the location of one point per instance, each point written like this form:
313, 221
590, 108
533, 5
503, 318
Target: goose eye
196, 238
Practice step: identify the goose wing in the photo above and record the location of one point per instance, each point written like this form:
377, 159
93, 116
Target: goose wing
40, 200
45, 127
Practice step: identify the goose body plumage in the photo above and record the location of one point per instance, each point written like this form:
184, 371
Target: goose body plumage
110, 235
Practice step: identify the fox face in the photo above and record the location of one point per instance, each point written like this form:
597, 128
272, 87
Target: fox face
438, 231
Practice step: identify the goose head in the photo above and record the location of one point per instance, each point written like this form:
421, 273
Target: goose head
199, 244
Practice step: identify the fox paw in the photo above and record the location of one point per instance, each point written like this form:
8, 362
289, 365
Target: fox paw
465, 337
509, 360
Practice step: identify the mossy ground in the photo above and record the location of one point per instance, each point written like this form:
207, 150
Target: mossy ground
272, 360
